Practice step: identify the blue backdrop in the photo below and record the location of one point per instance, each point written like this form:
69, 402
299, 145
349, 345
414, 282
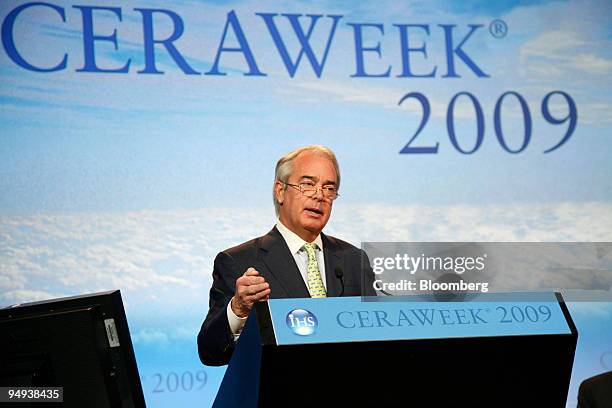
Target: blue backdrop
138, 139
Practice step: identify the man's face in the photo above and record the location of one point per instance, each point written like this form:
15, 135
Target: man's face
306, 216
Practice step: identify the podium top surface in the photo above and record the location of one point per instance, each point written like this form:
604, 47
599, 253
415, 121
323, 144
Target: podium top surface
331, 320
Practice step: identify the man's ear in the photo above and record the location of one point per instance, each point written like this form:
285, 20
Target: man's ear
279, 192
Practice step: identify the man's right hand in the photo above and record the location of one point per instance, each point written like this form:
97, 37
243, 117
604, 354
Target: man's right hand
250, 288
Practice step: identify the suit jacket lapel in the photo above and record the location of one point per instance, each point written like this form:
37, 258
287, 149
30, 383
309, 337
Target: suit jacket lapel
281, 265
333, 259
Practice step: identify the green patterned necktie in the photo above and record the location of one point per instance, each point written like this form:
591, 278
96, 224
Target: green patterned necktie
315, 283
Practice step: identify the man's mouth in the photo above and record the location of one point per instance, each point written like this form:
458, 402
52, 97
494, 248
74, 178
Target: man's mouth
314, 211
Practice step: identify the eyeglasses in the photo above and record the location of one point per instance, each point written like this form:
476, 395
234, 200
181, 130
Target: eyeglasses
310, 190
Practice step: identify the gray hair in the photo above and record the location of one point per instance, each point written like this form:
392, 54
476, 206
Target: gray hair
284, 168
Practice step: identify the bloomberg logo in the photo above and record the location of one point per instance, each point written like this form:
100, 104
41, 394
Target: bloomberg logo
301, 322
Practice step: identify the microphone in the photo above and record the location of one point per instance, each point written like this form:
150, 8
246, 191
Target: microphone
340, 275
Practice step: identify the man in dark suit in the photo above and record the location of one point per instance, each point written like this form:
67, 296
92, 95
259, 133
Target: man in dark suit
596, 392
295, 259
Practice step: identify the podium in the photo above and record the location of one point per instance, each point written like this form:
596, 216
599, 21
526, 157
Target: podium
496, 350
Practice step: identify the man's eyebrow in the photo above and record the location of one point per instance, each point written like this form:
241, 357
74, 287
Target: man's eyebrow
315, 179
312, 178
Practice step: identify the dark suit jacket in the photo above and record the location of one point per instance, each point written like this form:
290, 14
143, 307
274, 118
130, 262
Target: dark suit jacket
271, 257
596, 392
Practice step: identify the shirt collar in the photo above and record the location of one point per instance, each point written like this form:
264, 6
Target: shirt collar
293, 240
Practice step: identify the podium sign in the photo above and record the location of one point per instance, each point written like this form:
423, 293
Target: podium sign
304, 321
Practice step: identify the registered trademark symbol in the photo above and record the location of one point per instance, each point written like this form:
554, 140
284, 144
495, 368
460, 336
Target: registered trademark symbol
498, 28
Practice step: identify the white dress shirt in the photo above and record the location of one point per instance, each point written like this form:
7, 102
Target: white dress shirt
295, 244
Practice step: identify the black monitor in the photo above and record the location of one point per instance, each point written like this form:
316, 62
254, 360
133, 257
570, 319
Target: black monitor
80, 343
